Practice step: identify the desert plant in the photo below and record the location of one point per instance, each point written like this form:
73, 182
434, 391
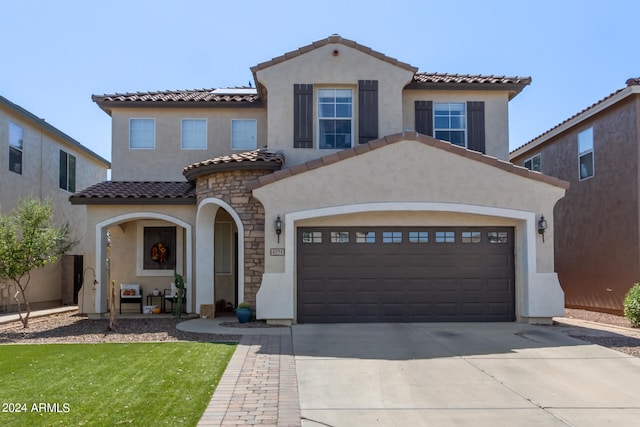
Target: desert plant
179, 281
244, 305
632, 305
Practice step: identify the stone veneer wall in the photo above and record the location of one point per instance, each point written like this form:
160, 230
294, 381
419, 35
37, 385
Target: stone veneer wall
231, 187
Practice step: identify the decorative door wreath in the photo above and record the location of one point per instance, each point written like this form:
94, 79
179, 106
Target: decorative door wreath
159, 252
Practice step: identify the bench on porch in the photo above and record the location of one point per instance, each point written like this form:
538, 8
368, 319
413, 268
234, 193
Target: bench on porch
130, 293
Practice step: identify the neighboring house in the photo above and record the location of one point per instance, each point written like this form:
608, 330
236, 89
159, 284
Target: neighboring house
39, 161
597, 244
317, 196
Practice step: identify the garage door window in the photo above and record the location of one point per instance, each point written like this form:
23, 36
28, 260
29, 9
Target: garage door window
418, 237
497, 237
392, 237
445, 237
311, 237
365, 236
339, 237
471, 237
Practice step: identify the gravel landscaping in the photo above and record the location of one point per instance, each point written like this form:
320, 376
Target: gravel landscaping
73, 328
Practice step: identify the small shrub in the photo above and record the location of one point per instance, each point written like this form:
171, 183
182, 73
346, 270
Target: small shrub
632, 305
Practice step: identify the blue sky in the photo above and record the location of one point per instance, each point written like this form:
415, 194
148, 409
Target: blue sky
56, 54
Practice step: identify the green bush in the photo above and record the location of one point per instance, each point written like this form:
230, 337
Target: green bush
632, 305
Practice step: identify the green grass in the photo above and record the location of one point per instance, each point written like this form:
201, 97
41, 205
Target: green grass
141, 384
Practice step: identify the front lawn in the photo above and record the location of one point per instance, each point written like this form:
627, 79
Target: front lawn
138, 384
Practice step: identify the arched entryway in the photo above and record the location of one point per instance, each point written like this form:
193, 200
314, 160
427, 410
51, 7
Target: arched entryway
220, 254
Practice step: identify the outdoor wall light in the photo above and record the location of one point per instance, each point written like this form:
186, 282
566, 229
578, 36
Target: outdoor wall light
278, 227
542, 226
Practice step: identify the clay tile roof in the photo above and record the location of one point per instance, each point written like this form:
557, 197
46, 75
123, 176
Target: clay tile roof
261, 158
136, 192
453, 81
226, 97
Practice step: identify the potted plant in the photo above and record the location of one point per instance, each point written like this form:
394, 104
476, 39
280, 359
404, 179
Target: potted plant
243, 312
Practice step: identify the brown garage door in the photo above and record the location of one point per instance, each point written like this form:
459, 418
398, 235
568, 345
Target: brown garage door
407, 274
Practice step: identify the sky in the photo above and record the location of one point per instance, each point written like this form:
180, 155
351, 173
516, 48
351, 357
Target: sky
56, 54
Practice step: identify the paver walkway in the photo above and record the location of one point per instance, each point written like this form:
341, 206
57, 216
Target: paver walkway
259, 386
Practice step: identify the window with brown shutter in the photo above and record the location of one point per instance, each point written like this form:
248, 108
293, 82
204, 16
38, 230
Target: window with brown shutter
303, 116
475, 126
368, 110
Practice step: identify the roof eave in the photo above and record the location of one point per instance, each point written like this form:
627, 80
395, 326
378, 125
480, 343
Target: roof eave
194, 173
512, 88
131, 201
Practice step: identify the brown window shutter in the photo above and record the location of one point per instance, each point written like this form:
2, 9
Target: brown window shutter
368, 110
424, 117
475, 126
302, 116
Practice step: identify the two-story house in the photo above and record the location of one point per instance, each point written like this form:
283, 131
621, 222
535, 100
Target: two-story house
328, 193
597, 244
40, 161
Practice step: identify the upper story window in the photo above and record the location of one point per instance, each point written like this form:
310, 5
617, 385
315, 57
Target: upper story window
335, 118
194, 134
67, 171
15, 148
244, 134
142, 133
450, 122
534, 163
585, 154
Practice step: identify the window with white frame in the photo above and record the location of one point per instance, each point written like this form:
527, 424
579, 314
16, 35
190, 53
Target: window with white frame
142, 133
534, 163
67, 171
450, 122
244, 134
15, 148
335, 118
585, 154
194, 134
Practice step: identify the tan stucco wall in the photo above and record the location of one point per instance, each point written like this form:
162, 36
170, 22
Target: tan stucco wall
40, 180
496, 114
165, 162
324, 70
125, 249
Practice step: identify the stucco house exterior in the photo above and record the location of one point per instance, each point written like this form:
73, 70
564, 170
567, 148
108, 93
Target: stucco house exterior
327, 193
597, 243
40, 161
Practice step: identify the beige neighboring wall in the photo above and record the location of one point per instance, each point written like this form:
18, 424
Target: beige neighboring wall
40, 180
412, 183
322, 68
165, 162
496, 114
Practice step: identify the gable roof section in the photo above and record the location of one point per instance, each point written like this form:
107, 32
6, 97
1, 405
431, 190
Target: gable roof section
440, 81
260, 159
41, 123
406, 136
243, 96
633, 87
136, 193
333, 39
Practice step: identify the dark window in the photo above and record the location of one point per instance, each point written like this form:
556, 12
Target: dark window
159, 248
15, 148
585, 154
534, 163
67, 171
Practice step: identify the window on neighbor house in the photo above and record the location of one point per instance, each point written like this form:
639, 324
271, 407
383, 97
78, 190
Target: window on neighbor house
194, 134
244, 134
335, 118
67, 171
585, 154
142, 133
534, 163
450, 122
15, 148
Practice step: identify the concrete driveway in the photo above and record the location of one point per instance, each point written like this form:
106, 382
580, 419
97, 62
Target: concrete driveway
444, 374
